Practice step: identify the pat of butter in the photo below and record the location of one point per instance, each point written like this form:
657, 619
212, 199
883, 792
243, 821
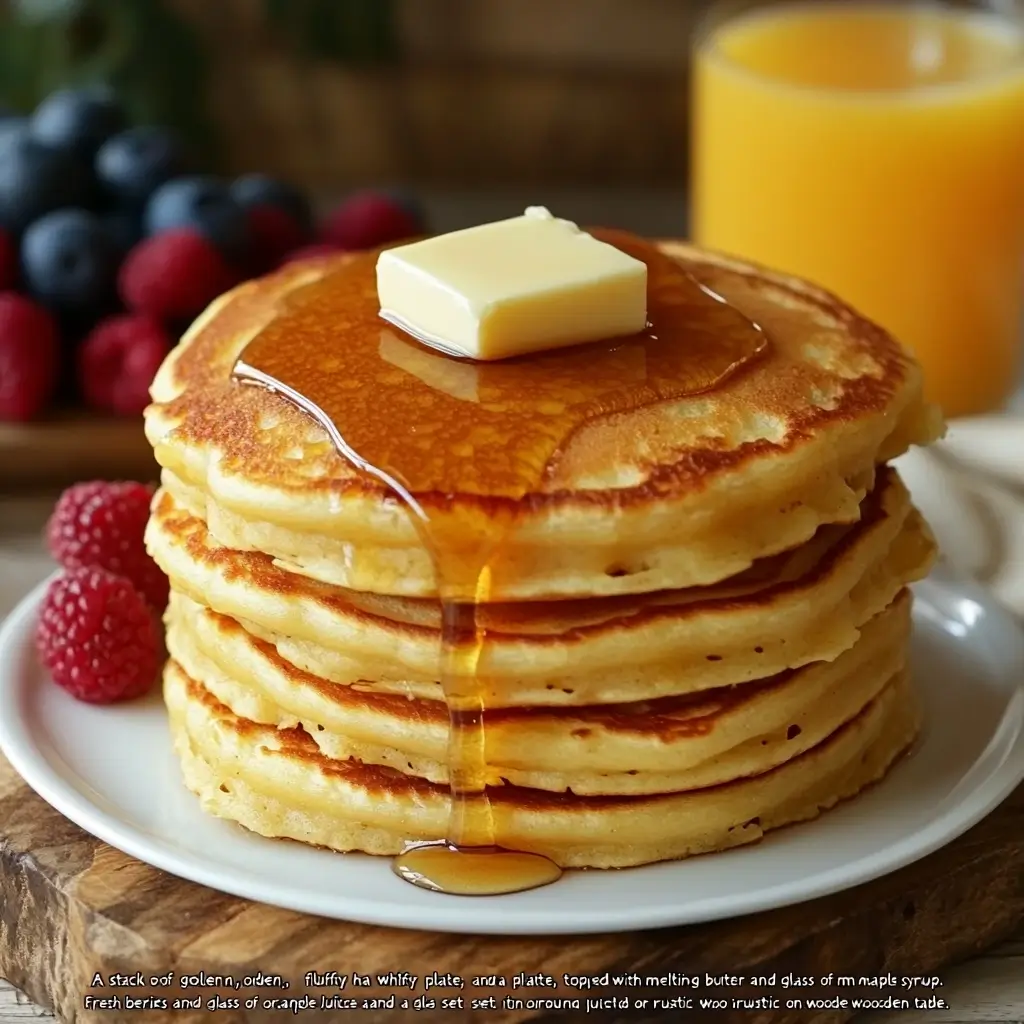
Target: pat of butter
512, 287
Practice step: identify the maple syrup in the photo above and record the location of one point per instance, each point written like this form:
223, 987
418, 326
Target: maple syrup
474, 870
440, 432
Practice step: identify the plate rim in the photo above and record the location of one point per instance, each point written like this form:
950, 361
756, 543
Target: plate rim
30, 761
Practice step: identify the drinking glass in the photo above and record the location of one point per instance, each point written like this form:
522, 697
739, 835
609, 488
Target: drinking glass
877, 148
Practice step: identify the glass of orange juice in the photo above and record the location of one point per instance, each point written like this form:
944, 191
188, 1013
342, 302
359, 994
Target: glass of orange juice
876, 148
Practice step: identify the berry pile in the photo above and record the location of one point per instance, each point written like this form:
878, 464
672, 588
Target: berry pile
98, 631
111, 243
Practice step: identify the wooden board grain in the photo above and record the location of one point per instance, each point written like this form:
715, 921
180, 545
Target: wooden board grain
71, 906
73, 446
988, 989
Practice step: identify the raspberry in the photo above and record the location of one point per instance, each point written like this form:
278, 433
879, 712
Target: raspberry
101, 525
262, 190
368, 219
272, 233
97, 637
8, 261
28, 357
311, 252
200, 203
118, 360
174, 275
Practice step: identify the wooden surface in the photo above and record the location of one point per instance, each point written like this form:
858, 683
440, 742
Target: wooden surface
73, 906
986, 990
485, 91
73, 446
69, 905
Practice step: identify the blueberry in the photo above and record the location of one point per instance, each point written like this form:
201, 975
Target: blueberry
12, 128
79, 119
409, 202
35, 179
203, 204
262, 190
69, 261
131, 165
124, 229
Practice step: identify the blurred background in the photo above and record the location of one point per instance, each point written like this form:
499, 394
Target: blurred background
456, 111
335, 93
155, 152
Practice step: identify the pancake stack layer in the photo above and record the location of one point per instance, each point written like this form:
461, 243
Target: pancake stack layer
700, 626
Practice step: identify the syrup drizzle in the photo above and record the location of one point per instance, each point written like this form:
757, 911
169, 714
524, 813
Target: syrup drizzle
464, 445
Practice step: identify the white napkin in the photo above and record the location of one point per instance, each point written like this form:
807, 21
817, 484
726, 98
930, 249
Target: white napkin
970, 487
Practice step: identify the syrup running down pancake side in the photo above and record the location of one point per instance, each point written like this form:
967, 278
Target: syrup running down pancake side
464, 444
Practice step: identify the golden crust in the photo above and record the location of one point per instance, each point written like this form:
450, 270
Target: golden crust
640, 747
675, 494
863, 373
563, 623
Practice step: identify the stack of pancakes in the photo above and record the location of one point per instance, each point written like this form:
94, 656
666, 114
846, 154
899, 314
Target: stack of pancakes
700, 634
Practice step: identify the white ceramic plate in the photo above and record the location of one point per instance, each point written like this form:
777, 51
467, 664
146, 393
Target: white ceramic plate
112, 772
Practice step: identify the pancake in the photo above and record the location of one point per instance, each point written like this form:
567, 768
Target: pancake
676, 494
694, 627
668, 745
786, 611
277, 783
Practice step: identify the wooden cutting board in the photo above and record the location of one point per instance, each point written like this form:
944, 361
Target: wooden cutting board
71, 906
72, 446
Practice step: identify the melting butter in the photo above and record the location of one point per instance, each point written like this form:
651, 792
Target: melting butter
512, 287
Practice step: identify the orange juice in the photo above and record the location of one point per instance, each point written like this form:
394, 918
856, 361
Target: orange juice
878, 150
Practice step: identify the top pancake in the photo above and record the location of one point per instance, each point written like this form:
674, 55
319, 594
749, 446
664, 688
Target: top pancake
676, 494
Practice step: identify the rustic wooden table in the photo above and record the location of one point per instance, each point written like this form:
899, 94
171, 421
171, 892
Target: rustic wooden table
987, 990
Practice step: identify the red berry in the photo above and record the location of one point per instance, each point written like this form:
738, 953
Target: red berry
174, 275
97, 636
118, 360
8, 261
367, 219
101, 525
318, 251
28, 357
272, 233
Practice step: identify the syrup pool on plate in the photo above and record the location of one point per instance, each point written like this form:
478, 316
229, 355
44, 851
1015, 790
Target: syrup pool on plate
424, 423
